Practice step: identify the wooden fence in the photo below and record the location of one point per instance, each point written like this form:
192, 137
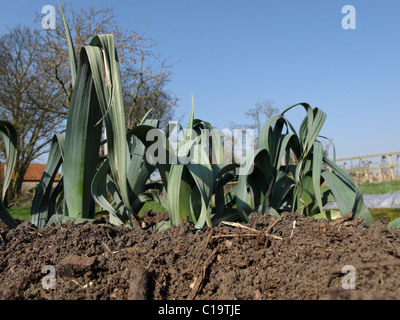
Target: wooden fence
367, 169
372, 168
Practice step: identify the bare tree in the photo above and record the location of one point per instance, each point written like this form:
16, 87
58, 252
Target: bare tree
144, 74
35, 79
262, 111
144, 90
24, 95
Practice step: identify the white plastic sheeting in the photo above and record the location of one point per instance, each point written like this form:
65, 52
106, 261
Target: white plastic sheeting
375, 201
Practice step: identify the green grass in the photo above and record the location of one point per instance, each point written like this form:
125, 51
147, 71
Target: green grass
23, 212
152, 205
391, 214
380, 187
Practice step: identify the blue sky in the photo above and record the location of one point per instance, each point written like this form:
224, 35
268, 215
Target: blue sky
233, 53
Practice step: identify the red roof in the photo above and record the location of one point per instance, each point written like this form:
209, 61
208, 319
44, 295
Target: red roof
33, 174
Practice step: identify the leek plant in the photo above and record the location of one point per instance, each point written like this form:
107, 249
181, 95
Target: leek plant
96, 99
118, 182
190, 175
9, 135
304, 185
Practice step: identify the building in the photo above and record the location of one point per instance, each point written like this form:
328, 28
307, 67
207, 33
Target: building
32, 176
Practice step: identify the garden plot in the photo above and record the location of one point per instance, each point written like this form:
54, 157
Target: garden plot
292, 257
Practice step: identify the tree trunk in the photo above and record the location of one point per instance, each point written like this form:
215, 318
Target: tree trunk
15, 187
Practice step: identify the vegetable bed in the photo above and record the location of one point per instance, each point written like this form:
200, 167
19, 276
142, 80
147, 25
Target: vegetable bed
291, 257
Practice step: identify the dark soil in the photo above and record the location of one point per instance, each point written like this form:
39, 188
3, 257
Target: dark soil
288, 258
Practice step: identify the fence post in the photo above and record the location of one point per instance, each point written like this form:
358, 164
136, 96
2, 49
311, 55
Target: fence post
391, 166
